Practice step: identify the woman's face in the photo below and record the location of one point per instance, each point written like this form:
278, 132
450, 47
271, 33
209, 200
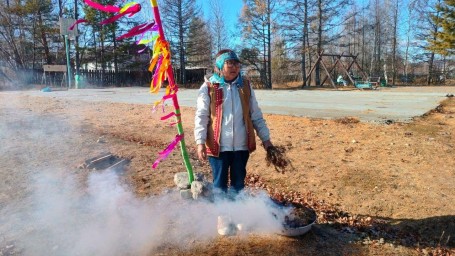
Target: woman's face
231, 69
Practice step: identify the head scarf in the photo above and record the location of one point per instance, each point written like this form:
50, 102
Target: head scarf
219, 62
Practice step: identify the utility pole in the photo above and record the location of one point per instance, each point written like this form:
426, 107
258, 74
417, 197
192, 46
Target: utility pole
68, 63
76, 43
66, 33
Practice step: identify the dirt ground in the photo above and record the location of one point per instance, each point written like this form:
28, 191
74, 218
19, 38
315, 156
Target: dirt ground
378, 189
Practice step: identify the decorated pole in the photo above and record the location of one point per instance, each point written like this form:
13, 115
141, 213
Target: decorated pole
173, 93
160, 65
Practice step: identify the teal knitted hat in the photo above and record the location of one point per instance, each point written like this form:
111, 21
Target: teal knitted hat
224, 57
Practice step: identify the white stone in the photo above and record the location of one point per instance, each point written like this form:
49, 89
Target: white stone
225, 226
201, 189
181, 180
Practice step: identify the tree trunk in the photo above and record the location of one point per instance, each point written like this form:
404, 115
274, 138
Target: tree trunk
319, 45
115, 57
94, 50
394, 45
77, 60
103, 62
264, 60
304, 39
34, 42
181, 47
430, 69
47, 54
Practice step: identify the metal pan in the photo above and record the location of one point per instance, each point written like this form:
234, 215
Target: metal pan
296, 231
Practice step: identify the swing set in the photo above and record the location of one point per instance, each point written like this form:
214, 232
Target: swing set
342, 64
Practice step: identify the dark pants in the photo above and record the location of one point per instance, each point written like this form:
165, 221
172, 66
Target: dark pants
231, 163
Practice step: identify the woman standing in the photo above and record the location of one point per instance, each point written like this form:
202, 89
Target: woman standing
227, 117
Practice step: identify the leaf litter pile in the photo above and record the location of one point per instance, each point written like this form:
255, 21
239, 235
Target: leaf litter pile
371, 230
276, 156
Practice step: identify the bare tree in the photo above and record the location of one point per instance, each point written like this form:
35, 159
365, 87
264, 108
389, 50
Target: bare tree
177, 17
220, 35
375, 66
280, 62
256, 22
25, 30
411, 13
395, 41
325, 23
13, 38
295, 25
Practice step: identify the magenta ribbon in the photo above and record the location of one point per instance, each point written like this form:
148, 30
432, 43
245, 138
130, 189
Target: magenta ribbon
165, 153
139, 29
169, 96
77, 22
131, 11
174, 123
169, 116
104, 8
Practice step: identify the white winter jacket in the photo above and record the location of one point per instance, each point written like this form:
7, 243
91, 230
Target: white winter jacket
233, 132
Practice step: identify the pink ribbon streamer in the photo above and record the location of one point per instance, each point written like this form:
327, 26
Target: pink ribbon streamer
169, 116
174, 123
157, 74
165, 153
131, 11
154, 28
104, 8
77, 22
137, 30
168, 96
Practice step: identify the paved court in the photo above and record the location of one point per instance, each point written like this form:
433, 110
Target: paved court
397, 104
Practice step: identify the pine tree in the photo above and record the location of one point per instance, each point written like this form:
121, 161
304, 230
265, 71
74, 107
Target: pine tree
177, 16
444, 42
105, 35
26, 33
199, 44
256, 22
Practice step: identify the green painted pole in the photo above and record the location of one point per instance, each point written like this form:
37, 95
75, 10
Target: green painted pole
68, 65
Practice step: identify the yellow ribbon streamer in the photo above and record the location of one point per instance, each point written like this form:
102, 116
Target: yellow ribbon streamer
128, 5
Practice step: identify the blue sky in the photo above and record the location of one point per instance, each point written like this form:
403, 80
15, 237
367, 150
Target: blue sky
231, 10
231, 7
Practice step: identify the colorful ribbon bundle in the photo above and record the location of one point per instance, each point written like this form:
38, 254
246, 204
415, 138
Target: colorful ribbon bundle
160, 65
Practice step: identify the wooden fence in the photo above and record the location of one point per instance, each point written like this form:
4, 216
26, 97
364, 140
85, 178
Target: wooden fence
108, 78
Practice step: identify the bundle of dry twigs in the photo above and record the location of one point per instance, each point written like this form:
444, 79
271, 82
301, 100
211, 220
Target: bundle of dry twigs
276, 156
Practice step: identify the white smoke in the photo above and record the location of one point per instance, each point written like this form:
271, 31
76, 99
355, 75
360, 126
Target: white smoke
47, 209
106, 218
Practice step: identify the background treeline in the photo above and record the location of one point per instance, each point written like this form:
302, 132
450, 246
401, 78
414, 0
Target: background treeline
403, 41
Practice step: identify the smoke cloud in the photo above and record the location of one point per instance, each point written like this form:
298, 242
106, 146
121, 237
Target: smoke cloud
106, 218
48, 209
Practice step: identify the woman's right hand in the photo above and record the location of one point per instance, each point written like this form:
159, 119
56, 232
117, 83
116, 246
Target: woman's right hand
201, 152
